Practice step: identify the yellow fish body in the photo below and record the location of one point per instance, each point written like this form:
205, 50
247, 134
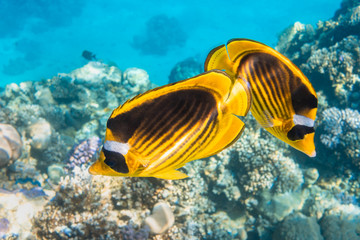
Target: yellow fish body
159, 131
284, 101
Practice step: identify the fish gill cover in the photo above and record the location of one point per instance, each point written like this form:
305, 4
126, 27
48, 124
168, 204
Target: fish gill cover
257, 189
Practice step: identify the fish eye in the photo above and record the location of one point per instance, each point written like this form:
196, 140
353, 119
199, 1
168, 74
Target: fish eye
116, 161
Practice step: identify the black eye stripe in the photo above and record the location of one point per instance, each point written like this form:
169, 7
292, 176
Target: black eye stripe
116, 161
298, 132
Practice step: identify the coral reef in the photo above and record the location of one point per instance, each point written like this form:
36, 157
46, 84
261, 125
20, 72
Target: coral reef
51, 115
340, 131
257, 162
328, 54
136, 80
259, 188
297, 226
341, 223
161, 34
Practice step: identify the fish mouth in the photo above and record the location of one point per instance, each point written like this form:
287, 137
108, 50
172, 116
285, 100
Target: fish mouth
312, 154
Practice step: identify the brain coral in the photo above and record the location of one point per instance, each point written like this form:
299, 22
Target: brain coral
10, 144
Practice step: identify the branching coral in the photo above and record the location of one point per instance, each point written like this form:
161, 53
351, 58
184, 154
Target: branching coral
341, 132
258, 163
79, 210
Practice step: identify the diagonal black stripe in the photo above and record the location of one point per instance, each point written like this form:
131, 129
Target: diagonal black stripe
151, 129
187, 116
251, 81
272, 83
262, 86
206, 139
283, 81
175, 121
201, 135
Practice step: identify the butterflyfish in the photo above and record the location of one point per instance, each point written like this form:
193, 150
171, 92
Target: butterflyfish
159, 131
284, 101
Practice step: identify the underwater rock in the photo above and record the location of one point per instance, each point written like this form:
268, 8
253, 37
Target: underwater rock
87, 130
63, 91
77, 115
56, 152
95, 73
11, 90
277, 207
161, 34
311, 175
293, 36
342, 222
161, 219
298, 227
55, 172
188, 68
40, 134
10, 144
44, 96
136, 80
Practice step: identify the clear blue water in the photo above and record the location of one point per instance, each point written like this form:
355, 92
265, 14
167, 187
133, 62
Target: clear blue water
39, 40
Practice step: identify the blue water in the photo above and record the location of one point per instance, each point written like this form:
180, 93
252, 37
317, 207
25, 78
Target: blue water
38, 40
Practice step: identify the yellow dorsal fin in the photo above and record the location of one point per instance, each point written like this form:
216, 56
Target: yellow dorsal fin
170, 175
218, 58
214, 80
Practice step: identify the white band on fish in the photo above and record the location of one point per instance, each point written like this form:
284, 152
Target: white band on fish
118, 147
302, 120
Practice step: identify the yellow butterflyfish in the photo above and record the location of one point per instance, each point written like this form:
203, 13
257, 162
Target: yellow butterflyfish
284, 101
159, 131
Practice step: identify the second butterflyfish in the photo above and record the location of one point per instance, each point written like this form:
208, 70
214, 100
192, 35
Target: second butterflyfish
159, 131
284, 101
